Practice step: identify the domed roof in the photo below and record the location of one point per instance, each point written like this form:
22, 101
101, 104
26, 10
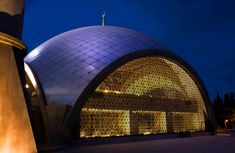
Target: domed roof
67, 63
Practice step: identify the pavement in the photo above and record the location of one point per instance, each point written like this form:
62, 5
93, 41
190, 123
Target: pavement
199, 144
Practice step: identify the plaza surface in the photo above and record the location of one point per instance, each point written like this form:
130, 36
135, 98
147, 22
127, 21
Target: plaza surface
200, 144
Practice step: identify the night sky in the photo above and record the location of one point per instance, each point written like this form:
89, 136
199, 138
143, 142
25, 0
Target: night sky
200, 31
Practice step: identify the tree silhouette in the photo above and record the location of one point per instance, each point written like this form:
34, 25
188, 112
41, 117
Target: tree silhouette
218, 102
232, 99
225, 109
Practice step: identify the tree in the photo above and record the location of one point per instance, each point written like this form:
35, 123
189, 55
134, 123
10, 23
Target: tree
224, 109
232, 100
227, 100
218, 102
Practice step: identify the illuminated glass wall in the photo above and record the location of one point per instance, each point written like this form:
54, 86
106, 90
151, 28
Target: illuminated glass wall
148, 95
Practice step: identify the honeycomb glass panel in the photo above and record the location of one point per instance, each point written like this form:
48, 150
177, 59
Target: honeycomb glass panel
148, 95
150, 122
104, 123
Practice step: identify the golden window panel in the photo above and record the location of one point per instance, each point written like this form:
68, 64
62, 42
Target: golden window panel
148, 95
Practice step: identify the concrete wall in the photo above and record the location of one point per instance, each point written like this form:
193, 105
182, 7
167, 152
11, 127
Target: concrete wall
16, 134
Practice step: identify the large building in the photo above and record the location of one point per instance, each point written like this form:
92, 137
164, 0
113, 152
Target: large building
16, 135
104, 81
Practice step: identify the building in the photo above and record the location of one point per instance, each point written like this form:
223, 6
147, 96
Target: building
16, 133
104, 81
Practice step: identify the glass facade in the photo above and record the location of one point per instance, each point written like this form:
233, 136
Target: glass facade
149, 95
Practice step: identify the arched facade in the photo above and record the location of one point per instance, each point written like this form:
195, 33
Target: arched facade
98, 75
149, 95
187, 100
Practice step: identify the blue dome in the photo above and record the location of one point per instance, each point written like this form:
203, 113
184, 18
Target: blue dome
66, 64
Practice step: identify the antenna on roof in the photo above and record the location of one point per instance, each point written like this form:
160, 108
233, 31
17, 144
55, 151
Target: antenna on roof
103, 19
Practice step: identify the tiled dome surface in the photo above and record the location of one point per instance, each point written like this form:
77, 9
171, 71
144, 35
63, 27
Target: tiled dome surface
67, 63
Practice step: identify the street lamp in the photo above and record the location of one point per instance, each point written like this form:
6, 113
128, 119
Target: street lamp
225, 123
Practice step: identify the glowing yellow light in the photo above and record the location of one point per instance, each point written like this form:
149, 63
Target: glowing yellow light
106, 91
109, 91
5, 42
117, 92
27, 86
31, 76
146, 133
9, 40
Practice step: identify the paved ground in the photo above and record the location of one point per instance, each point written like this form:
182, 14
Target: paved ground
202, 144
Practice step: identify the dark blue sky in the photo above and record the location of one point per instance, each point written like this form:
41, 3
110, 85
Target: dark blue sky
200, 31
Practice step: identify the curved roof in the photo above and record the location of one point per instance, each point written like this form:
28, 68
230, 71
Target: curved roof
66, 64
